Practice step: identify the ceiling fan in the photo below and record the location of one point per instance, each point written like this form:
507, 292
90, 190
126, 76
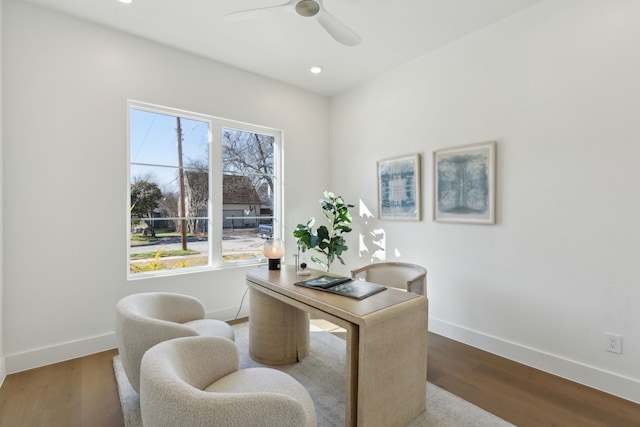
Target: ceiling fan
308, 9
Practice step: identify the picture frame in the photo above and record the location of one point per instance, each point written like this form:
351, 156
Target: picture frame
399, 188
464, 183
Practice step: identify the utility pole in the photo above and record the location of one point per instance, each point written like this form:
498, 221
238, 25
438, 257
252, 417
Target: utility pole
181, 204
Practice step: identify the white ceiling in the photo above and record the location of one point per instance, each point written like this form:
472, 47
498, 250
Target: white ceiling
284, 46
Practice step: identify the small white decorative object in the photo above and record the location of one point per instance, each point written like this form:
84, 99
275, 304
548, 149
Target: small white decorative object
301, 262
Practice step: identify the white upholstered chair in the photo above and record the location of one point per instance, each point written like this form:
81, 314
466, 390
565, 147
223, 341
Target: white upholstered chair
145, 319
410, 277
196, 381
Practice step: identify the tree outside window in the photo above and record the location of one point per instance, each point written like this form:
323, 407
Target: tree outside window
179, 165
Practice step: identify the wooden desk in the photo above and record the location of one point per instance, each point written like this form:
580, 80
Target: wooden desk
386, 341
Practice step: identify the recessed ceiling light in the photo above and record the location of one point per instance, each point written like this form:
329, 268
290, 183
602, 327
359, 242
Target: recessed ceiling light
316, 69
126, 1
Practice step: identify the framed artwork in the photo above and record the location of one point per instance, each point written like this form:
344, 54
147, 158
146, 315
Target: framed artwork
399, 188
464, 184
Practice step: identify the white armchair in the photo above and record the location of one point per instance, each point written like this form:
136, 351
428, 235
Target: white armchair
146, 319
402, 275
196, 381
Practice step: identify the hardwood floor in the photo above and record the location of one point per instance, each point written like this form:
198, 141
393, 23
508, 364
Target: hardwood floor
517, 393
83, 392
78, 392
522, 395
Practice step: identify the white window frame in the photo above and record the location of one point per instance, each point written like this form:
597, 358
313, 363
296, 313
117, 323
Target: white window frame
215, 208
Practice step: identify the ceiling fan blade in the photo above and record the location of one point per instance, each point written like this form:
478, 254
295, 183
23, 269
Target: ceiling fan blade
257, 13
336, 29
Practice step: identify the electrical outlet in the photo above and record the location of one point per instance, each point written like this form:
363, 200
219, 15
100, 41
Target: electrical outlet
613, 342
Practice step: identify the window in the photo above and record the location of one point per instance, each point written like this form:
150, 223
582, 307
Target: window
203, 191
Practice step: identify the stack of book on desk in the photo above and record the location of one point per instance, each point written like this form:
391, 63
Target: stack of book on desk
342, 286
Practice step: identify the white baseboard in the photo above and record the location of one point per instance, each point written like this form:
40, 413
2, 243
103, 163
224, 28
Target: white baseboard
617, 385
31, 359
3, 370
230, 313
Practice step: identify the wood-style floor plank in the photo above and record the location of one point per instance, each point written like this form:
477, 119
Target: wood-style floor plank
520, 394
106, 410
79, 392
83, 392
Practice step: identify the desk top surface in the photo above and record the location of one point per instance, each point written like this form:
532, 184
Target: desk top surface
353, 310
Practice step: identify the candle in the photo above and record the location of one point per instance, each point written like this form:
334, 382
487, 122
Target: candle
274, 250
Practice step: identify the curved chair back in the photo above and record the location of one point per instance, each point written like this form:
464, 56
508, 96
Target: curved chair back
146, 319
197, 382
402, 275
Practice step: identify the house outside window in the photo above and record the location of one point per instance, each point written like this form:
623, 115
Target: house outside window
204, 192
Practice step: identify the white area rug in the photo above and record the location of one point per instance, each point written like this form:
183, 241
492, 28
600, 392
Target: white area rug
322, 373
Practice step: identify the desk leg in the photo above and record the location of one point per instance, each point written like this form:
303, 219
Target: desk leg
278, 332
392, 367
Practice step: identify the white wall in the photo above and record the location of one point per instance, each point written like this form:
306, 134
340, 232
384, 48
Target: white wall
558, 88
66, 85
3, 368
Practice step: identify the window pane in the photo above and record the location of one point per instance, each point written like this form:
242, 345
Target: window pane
180, 173
248, 193
169, 170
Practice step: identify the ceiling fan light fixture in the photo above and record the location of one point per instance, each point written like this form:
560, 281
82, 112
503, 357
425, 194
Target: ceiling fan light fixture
307, 8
